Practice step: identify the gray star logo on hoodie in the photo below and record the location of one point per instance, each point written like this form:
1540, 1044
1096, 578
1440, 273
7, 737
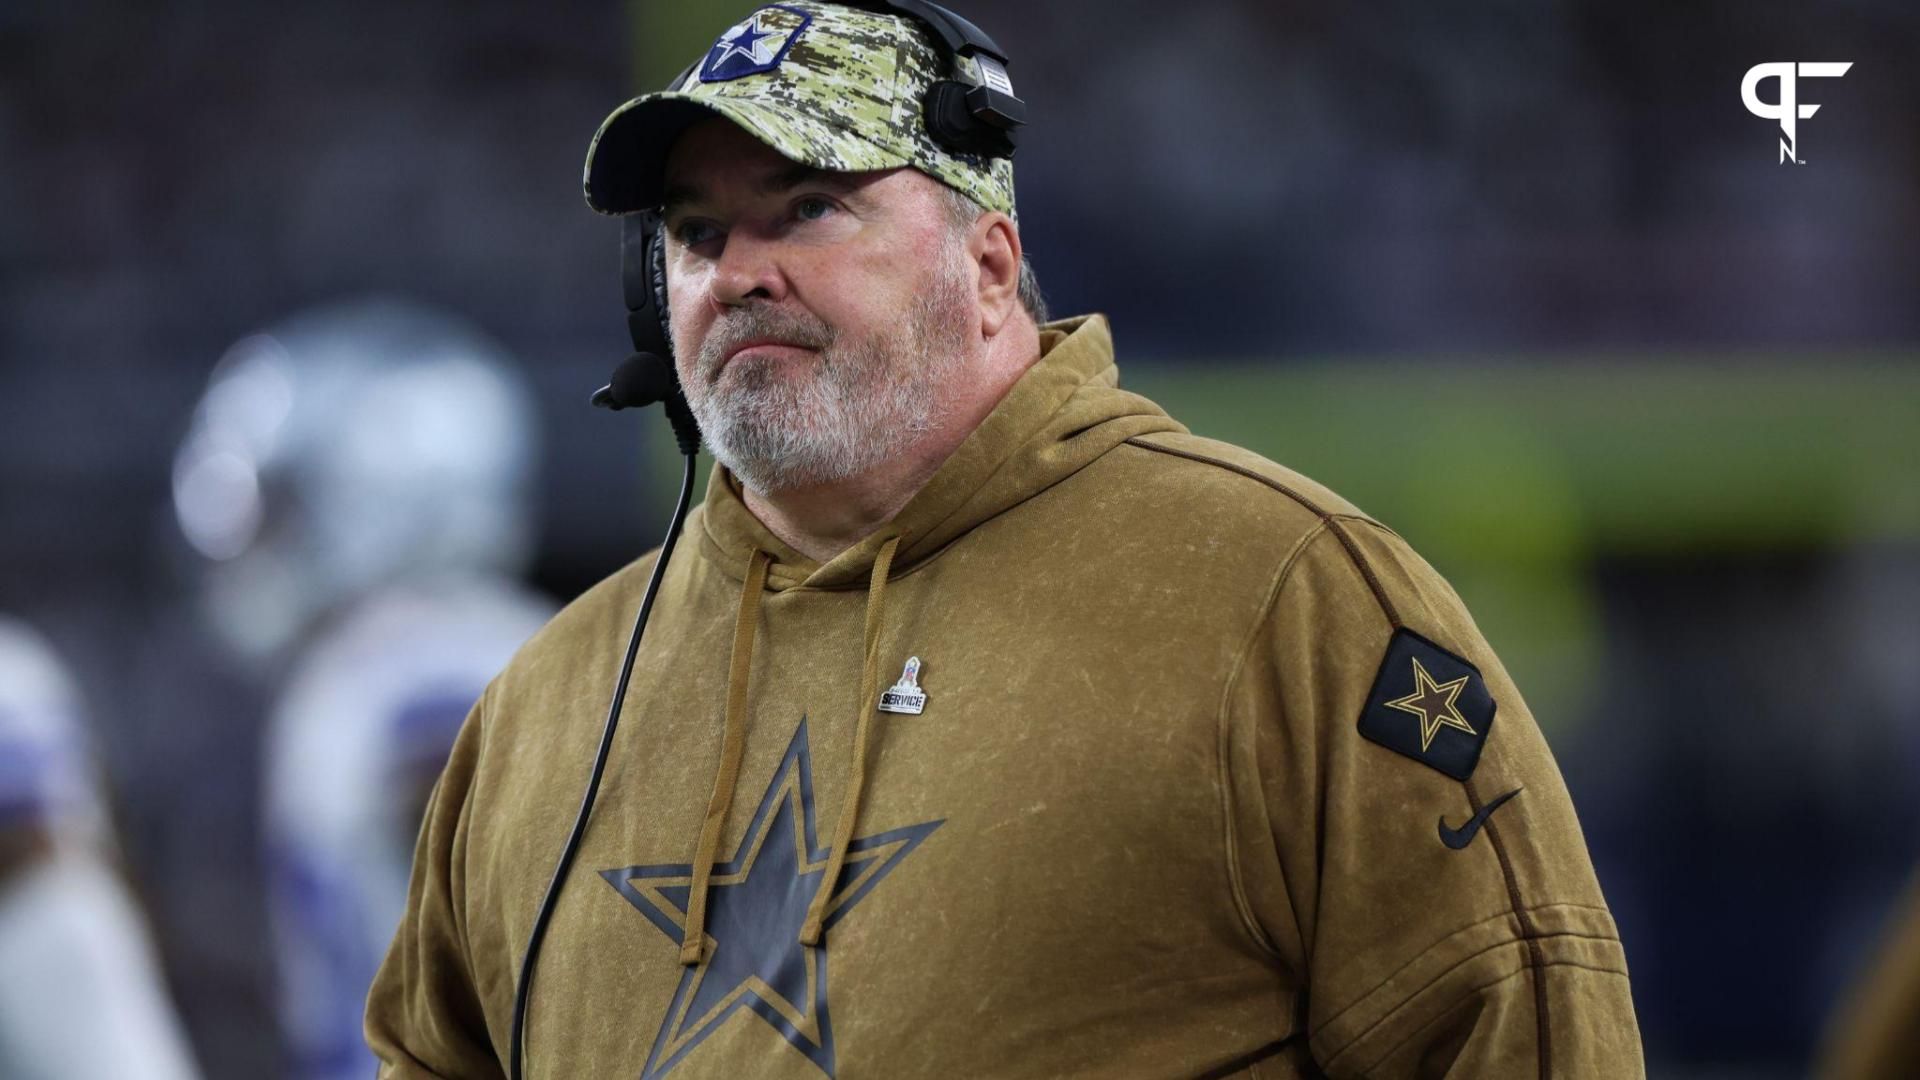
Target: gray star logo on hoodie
757, 905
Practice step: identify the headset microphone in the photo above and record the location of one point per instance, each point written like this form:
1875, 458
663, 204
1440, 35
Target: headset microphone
645, 379
641, 379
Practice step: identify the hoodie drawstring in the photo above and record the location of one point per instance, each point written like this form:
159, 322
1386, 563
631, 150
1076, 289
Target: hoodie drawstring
869, 686
733, 742
693, 941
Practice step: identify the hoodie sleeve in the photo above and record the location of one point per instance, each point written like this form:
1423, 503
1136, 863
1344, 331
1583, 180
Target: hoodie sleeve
1400, 836
424, 1017
1875, 1034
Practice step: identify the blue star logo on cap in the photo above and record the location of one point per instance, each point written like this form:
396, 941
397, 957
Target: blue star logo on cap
754, 961
756, 44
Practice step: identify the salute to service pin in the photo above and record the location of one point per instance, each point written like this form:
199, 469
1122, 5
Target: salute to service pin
905, 696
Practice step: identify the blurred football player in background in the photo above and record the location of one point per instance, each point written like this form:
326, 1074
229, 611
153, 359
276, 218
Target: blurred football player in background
81, 995
358, 482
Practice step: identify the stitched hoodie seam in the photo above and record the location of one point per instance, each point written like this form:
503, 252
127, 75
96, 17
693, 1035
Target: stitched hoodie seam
1243, 904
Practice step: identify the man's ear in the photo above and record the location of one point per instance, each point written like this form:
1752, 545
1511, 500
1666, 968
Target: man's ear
994, 245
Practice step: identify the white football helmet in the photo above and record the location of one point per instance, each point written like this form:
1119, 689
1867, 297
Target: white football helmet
352, 446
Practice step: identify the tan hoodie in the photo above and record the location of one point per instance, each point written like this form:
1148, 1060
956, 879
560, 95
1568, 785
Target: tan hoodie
1177, 802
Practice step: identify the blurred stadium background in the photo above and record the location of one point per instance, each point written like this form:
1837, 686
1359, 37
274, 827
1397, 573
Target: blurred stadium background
1524, 280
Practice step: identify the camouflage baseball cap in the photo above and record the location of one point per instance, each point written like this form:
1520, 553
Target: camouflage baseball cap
826, 85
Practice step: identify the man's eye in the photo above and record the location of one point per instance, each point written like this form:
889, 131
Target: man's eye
693, 233
812, 209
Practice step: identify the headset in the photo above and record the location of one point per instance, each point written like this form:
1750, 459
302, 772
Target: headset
974, 113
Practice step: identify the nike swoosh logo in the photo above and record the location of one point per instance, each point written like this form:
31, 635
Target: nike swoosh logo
1462, 836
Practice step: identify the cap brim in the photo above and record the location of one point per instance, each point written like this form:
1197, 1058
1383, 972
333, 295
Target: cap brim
629, 152
626, 162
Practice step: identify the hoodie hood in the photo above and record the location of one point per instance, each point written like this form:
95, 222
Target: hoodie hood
1061, 415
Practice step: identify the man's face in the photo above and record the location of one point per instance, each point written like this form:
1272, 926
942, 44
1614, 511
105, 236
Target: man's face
820, 319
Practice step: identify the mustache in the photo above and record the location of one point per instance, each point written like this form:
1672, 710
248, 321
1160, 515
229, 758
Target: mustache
756, 322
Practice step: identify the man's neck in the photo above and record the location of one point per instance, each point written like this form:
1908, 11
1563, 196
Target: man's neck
822, 521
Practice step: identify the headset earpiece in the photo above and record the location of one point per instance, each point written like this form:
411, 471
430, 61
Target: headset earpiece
643, 279
975, 112
657, 278
952, 120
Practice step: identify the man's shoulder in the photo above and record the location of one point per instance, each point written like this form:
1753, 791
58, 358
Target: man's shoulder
1183, 473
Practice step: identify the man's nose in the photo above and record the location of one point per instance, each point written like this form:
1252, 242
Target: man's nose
747, 270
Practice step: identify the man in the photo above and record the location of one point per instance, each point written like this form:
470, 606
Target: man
1154, 788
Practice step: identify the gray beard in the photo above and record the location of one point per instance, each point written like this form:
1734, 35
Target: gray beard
779, 424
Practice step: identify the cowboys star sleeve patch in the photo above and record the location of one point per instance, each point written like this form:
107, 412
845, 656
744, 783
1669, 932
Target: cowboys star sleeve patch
1428, 704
